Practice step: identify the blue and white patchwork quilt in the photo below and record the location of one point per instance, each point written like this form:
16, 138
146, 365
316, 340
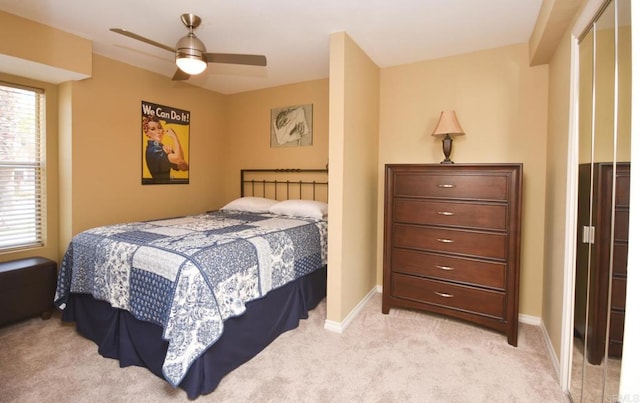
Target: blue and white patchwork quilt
189, 274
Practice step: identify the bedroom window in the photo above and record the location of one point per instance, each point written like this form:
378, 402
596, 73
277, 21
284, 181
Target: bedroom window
22, 166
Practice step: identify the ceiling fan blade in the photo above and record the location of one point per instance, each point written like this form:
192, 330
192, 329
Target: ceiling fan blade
233, 58
142, 39
180, 75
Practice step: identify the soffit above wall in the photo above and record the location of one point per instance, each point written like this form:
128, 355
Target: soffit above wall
37, 71
39, 52
554, 19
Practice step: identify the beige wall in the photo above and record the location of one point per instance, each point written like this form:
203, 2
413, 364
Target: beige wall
501, 104
50, 248
353, 147
102, 155
247, 142
555, 218
58, 53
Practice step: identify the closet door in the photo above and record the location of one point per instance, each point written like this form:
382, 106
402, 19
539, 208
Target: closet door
603, 207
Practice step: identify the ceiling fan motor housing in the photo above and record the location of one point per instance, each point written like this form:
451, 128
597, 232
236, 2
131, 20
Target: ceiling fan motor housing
191, 47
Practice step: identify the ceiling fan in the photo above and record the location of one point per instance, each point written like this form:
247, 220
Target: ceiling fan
191, 54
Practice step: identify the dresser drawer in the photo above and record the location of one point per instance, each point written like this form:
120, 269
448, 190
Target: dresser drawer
620, 256
451, 213
618, 293
616, 327
459, 297
621, 229
616, 334
473, 243
455, 185
469, 271
622, 189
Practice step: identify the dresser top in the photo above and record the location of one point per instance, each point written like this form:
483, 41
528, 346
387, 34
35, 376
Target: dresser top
456, 165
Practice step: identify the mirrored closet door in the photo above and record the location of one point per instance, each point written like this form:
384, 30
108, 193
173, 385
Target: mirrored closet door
603, 203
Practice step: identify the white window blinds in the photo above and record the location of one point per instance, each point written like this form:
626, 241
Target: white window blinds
21, 166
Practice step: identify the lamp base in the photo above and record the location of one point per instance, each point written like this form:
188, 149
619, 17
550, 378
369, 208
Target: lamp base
447, 144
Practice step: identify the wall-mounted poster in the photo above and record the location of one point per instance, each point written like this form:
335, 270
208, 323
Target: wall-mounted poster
292, 126
165, 144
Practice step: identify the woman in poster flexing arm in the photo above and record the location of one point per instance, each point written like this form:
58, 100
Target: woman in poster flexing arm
161, 158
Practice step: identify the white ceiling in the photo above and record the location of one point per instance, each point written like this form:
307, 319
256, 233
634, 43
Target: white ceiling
292, 34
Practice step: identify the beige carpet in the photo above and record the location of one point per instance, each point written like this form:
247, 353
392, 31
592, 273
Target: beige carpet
405, 356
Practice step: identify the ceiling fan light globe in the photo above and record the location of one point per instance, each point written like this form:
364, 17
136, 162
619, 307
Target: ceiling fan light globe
192, 65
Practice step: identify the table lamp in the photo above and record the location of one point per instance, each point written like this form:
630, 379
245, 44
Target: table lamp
448, 126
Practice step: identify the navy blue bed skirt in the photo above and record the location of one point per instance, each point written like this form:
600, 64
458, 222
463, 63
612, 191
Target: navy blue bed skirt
133, 342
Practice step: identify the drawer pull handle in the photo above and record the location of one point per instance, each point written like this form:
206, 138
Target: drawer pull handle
443, 294
446, 186
447, 213
447, 268
445, 240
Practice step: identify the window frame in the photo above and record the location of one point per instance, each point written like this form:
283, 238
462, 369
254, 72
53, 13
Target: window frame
30, 230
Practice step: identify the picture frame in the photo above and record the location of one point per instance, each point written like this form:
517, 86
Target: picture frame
165, 144
292, 126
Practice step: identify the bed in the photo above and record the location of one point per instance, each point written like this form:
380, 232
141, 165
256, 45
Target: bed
192, 298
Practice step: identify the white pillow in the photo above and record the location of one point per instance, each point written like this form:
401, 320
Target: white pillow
301, 208
250, 204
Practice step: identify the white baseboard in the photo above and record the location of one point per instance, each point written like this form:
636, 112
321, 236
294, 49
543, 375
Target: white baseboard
550, 350
537, 321
339, 327
529, 320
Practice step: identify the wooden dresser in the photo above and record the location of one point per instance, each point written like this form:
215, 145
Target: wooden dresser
452, 241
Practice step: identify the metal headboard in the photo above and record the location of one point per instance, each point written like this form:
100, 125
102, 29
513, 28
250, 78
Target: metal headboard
284, 184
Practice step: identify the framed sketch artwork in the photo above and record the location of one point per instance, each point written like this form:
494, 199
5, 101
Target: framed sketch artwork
292, 126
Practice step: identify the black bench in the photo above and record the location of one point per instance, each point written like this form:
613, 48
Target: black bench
27, 288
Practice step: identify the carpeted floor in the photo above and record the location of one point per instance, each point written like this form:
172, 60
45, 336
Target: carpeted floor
405, 356
593, 383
